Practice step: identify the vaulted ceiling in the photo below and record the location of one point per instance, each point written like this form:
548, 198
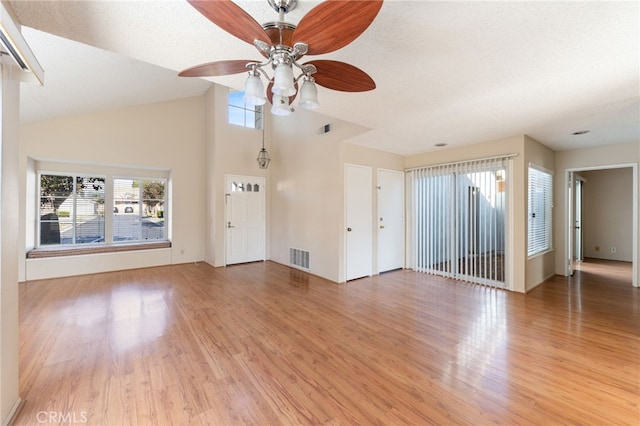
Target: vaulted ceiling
456, 73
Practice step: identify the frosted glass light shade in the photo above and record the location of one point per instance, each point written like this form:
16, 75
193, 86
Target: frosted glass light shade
280, 105
254, 91
283, 81
308, 95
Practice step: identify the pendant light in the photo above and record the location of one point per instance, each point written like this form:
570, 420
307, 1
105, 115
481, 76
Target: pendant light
263, 156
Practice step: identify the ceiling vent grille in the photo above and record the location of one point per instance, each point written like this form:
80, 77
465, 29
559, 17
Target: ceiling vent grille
324, 129
299, 258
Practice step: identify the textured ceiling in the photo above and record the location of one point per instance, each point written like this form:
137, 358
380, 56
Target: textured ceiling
446, 72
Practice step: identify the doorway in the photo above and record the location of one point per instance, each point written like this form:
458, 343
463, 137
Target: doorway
575, 231
608, 227
245, 221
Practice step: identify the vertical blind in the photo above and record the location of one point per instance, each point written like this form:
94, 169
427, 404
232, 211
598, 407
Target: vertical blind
540, 196
458, 217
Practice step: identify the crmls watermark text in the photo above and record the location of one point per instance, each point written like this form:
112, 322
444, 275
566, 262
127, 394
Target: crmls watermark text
62, 417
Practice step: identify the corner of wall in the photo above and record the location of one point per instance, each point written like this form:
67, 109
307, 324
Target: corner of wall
539, 268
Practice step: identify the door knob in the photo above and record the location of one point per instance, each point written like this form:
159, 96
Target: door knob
381, 226
229, 225
348, 229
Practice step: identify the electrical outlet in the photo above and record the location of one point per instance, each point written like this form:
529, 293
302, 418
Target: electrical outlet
181, 251
597, 248
613, 249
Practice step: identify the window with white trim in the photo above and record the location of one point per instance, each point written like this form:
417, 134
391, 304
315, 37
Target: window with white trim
138, 209
72, 209
242, 114
540, 205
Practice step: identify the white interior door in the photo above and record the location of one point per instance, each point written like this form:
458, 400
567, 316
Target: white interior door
571, 220
390, 220
245, 219
358, 218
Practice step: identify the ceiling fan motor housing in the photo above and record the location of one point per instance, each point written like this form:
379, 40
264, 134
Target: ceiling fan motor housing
280, 33
283, 5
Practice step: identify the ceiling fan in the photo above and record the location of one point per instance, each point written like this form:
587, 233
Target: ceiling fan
327, 27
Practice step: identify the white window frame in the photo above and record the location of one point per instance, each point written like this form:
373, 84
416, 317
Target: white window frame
109, 174
73, 214
258, 110
137, 211
540, 182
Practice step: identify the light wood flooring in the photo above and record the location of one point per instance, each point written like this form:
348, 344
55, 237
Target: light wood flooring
265, 344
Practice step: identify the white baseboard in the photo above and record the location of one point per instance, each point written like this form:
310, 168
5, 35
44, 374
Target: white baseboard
13, 413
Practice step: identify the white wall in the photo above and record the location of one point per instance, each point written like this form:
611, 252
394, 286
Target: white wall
607, 214
582, 159
168, 136
231, 150
307, 183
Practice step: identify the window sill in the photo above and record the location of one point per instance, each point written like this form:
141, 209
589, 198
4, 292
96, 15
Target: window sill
39, 253
539, 254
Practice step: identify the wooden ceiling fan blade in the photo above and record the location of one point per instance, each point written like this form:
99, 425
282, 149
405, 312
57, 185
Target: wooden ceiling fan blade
341, 76
212, 69
231, 18
335, 23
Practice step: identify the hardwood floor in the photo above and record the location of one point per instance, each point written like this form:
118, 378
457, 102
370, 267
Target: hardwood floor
264, 344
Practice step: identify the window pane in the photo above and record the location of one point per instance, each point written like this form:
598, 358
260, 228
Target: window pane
153, 210
235, 99
242, 114
236, 116
54, 192
139, 210
89, 210
540, 197
126, 210
71, 209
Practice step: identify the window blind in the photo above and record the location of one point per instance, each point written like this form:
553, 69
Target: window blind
540, 199
458, 217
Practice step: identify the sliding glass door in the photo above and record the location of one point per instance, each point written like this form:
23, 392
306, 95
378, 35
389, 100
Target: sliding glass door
459, 220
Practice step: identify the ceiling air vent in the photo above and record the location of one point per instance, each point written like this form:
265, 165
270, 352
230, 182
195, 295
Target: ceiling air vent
299, 258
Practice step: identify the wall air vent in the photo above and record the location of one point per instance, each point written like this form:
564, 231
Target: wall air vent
324, 129
299, 258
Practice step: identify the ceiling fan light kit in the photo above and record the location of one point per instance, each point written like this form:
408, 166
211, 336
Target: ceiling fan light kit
308, 94
254, 91
327, 27
283, 80
280, 105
